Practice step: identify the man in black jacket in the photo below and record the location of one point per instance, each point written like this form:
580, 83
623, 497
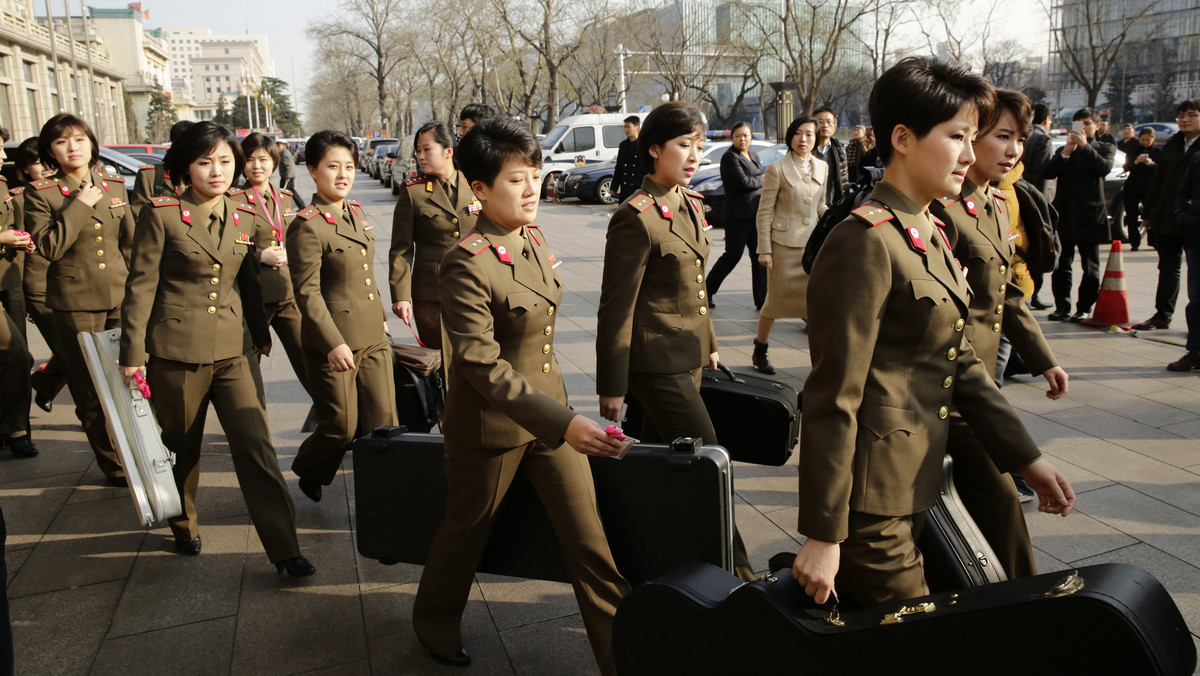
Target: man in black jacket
1036, 157
1159, 218
1141, 158
628, 174
1080, 167
833, 152
1187, 216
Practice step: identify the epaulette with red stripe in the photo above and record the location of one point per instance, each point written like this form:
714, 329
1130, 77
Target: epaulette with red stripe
692, 193
234, 192
996, 193
308, 212
17, 190
44, 183
146, 167
286, 192
415, 180
113, 177
640, 201
873, 213
164, 201
247, 208
947, 201
475, 243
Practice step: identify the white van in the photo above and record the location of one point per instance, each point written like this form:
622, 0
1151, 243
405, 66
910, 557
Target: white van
582, 139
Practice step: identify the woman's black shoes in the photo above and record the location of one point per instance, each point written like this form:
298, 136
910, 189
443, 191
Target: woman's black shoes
313, 491
22, 446
458, 659
297, 566
760, 361
188, 547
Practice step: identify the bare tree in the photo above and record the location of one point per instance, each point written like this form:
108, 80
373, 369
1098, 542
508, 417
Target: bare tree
885, 18
552, 36
335, 96
1088, 39
1004, 64
370, 27
953, 30
592, 78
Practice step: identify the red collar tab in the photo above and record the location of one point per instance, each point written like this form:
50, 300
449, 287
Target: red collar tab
104, 184
914, 238
329, 217
503, 255
186, 216
65, 190
236, 221
970, 205
665, 211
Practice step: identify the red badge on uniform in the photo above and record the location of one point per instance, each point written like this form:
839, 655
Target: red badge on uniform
554, 262
104, 184
502, 252
971, 207
328, 217
236, 220
914, 237
666, 211
707, 226
186, 216
65, 190
243, 238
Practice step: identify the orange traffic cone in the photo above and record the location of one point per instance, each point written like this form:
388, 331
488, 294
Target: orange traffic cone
1112, 304
550, 195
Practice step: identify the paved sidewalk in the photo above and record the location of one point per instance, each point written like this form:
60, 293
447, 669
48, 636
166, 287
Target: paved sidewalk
92, 592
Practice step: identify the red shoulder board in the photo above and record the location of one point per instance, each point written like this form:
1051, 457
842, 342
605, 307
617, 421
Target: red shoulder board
873, 213
692, 193
998, 195
234, 192
17, 190
415, 180
286, 192
3, 180
533, 232
114, 177
640, 201
146, 167
308, 212
247, 208
947, 201
44, 183
164, 201
354, 203
475, 243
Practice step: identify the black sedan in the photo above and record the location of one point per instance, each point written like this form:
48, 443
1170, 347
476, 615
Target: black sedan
708, 182
589, 183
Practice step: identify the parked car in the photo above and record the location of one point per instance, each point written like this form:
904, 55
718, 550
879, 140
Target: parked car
370, 145
404, 166
581, 139
383, 157
148, 148
707, 181
146, 158
120, 163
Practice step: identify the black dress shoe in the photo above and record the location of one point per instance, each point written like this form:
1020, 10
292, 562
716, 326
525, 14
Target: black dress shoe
1059, 315
458, 659
313, 491
1155, 322
22, 446
188, 547
297, 566
1080, 316
1037, 304
43, 403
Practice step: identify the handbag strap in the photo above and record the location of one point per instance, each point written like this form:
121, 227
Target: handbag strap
414, 332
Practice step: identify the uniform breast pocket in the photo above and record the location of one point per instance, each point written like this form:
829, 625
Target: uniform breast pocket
65, 271
982, 254
929, 291
677, 250
339, 307
167, 314
524, 302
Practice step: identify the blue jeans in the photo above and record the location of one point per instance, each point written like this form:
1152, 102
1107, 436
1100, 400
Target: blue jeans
1192, 311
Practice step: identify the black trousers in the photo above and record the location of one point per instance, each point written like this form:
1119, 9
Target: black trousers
740, 234
1089, 284
1170, 266
1132, 198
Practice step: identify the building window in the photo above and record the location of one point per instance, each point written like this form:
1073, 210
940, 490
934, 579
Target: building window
31, 101
226, 50
28, 71
5, 111
226, 66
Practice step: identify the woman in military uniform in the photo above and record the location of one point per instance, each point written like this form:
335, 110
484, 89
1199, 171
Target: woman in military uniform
193, 280
431, 214
793, 200
654, 333
980, 236
276, 209
15, 361
887, 308
330, 248
81, 222
506, 406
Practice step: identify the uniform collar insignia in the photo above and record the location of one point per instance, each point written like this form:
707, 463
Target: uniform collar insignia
666, 211
914, 238
503, 255
970, 204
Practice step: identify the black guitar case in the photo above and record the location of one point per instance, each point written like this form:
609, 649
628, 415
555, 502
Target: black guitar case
1103, 619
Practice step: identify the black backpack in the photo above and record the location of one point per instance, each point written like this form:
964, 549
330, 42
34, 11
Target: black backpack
854, 195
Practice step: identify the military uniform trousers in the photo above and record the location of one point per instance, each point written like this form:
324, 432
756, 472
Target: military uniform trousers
15, 363
991, 499
13, 301
428, 317
673, 409
346, 404
880, 560
68, 325
476, 483
284, 317
49, 380
181, 394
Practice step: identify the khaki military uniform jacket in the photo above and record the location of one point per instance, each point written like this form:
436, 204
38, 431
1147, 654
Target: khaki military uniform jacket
11, 260
425, 224
188, 294
653, 316
791, 204
499, 308
331, 256
976, 223
88, 247
275, 280
887, 308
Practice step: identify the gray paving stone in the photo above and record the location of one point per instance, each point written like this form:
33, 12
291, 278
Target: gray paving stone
1132, 407
516, 602
60, 632
1137, 471
30, 506
1144, 439
551, 648
166, 589
1148, 519
195, 648
762, 536
1046, 563
1076, 536
13, 560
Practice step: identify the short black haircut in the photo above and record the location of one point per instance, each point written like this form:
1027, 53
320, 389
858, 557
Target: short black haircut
794, 128
178, 128
1084, 113
824, 109
668, 121
739, 125
195, 142
1012, 101
441, 134
1040, 112
921, 93
57, 127
27, 154
477, 112
258, 141
4, 134
490, 144
633, 119
1146, 131
1188, 105
325, 140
